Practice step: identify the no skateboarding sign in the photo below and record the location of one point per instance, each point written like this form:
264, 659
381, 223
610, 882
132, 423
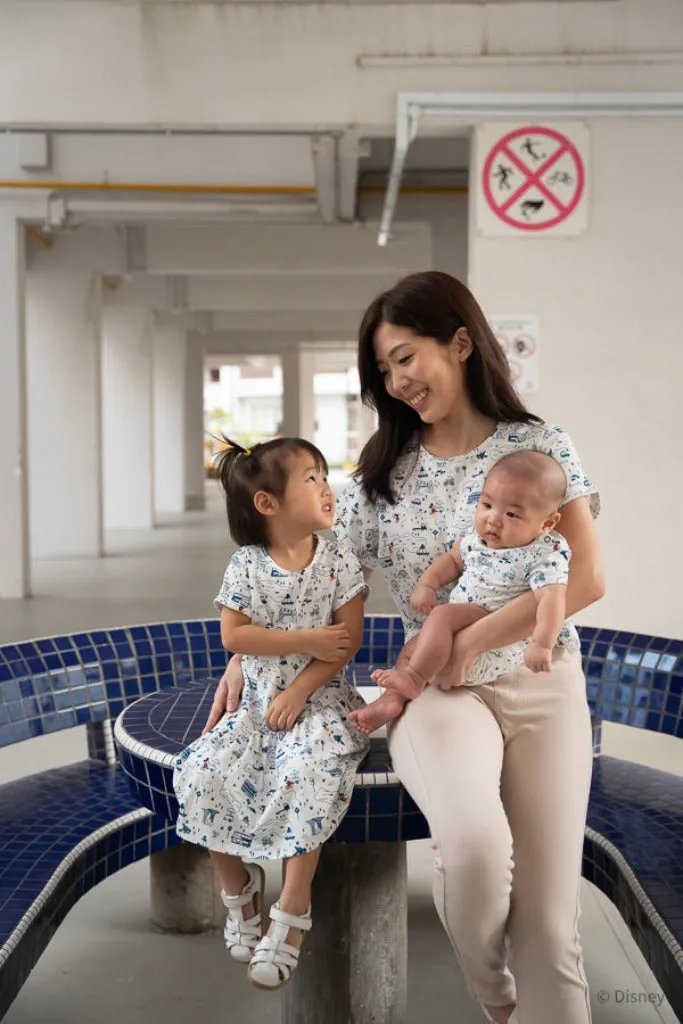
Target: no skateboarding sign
532, 180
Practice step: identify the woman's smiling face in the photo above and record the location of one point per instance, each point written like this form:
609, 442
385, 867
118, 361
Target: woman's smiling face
426, 375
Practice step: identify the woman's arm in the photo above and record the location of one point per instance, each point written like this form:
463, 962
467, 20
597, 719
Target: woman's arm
517, 619
288, 705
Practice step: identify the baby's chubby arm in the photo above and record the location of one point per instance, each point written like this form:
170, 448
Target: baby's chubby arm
445, 569
551, 611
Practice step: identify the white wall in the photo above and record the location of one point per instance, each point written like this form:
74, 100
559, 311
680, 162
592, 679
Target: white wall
63, 310
447, 215
127, 440
179, 63
611, 358
168, 354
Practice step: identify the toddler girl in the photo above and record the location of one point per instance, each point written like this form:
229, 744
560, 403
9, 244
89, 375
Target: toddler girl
274, 779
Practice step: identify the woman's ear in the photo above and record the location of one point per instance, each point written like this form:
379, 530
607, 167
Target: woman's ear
462, 344
266, 504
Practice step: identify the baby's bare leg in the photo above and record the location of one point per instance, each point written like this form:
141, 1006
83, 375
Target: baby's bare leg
433, 649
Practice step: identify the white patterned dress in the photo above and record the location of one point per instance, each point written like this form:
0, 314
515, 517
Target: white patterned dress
263, 795
493, 576
435, 504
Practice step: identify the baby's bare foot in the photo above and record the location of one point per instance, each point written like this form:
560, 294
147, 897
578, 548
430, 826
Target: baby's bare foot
405, 681
388, 707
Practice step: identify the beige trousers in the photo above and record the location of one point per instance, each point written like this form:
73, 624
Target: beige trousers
501, 773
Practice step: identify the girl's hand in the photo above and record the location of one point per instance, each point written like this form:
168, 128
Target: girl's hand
423, 599
327, 643
285, 709
228, 693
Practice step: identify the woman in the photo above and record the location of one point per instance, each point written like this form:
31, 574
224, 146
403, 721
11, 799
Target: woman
501, 771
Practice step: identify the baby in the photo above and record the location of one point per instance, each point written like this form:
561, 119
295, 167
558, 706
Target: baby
512, 548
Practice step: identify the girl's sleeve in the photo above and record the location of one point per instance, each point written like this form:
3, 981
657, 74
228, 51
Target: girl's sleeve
357, 525
349, 576
557, 443
235, 592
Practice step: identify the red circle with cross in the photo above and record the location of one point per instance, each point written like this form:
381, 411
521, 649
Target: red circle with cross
532, 178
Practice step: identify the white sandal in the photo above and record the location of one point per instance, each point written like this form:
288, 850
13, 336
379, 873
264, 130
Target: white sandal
274, 959
242, 935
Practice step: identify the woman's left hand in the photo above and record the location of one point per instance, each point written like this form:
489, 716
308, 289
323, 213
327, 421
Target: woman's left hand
285, 709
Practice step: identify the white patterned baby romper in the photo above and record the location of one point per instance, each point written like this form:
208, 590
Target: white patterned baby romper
435, 503
494, 576
243, 789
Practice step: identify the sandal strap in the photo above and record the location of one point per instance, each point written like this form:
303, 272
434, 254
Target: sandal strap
303, 922
253, 886
280, 954
236, 929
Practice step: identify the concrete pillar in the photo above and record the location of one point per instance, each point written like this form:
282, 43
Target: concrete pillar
168, 347
63, 321
185, 891
14, 518
127, 419
353, 963
194, 423
298, 396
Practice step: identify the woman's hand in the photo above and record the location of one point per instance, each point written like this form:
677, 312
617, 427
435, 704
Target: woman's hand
228, 692
283, 712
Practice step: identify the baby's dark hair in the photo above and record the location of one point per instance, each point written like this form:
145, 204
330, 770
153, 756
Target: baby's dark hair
244, 471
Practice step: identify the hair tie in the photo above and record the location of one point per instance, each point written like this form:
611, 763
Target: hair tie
247, 451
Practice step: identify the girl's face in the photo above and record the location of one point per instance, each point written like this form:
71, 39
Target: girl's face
427, 376
308, 500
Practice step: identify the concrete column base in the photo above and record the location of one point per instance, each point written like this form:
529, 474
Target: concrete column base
353, 963
185, 891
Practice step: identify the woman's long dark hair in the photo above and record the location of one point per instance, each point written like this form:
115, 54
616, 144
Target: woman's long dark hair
432, 305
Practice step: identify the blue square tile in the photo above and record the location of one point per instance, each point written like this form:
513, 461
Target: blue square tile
352, 830
625, 694
676, 683
674, 704
384, 830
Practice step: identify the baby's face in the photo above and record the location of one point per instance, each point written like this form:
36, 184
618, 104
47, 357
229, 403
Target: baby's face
510, 512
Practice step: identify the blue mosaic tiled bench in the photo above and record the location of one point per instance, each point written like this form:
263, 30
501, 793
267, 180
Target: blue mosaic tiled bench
63, 831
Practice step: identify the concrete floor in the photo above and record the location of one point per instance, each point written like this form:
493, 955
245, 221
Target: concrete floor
107, 964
